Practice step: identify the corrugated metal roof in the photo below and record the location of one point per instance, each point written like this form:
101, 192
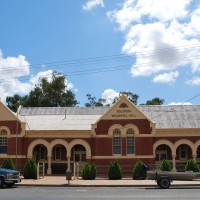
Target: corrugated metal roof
28, 111
173, 116
75, 118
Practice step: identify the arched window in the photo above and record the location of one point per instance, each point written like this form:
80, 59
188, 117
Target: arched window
3, 141
116, 141
130, 141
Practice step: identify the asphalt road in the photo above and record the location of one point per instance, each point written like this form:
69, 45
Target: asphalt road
67, 193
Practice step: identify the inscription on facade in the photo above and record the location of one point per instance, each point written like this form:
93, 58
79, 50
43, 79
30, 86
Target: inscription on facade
124, 113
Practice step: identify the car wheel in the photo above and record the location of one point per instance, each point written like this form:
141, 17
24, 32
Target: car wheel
164, 183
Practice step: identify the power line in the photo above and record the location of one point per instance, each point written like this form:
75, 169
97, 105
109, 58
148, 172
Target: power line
115, 68
106, 58
174, 107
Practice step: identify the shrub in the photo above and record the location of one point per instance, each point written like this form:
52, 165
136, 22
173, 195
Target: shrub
89, 172
30, 170
93, 171
8, 164
165, 166
114, 171
191, 165
138, 171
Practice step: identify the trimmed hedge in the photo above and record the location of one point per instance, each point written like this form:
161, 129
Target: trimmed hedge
139, 171
89, 172
114, 171
192, 165
8, 164
30, 170
165, 166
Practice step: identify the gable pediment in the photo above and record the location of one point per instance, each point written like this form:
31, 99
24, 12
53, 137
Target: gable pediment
123, 109
5, 113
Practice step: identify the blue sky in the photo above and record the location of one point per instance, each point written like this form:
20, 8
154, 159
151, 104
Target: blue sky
150, 48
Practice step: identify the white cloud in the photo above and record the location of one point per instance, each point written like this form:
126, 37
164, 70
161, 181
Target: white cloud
35, 79
12, 67
180, 103
162, 35
90, 4
194, 81
109, 95
14, 77
166, 77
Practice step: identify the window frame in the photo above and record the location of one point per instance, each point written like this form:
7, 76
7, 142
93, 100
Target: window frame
3, 141
130, 135
117, 142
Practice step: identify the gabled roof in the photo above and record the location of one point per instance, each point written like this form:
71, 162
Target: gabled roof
60, 118
173, 116
65, 118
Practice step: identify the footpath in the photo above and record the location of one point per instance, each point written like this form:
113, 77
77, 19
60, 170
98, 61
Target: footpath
59, 181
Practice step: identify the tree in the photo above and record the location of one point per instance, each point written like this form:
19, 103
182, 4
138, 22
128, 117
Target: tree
155, 101
131, 96
114, 171
45, 94
30, 170
192, 166
165, 166
93, 103
8, 164
139, 170
13, 102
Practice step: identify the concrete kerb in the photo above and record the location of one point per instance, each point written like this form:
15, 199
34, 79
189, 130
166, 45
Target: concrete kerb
60, 181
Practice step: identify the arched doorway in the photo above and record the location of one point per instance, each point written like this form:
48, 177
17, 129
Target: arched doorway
59, 159
79, 153
162, 152
40, 153
183, 154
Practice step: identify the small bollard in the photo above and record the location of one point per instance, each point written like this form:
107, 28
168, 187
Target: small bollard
68, 175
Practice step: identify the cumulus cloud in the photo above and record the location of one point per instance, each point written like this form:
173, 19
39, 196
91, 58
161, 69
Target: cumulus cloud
15, 77
12, 69
109, 95
166, 77
194, 81
161, 35
90, 4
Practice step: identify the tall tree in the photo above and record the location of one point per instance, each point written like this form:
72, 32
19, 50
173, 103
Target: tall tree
46, 94
93, 103
155, 101
131, 96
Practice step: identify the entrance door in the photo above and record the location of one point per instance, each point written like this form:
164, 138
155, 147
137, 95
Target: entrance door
79, 153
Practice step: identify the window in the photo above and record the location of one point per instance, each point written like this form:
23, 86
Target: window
43, 152
183, 152
3, 141
130, 141
116, 141
57, 153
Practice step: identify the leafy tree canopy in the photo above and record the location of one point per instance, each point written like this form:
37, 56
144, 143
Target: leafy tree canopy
45, 94
95, 103
155, 101
131, 96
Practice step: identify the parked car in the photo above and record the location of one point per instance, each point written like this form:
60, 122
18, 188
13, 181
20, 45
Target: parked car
9, 177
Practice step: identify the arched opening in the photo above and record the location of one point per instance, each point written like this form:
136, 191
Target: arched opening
59, 159
40, 153
162, 152
183, 154
79, 153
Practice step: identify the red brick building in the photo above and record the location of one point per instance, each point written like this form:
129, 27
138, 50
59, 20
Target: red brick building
59, 137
